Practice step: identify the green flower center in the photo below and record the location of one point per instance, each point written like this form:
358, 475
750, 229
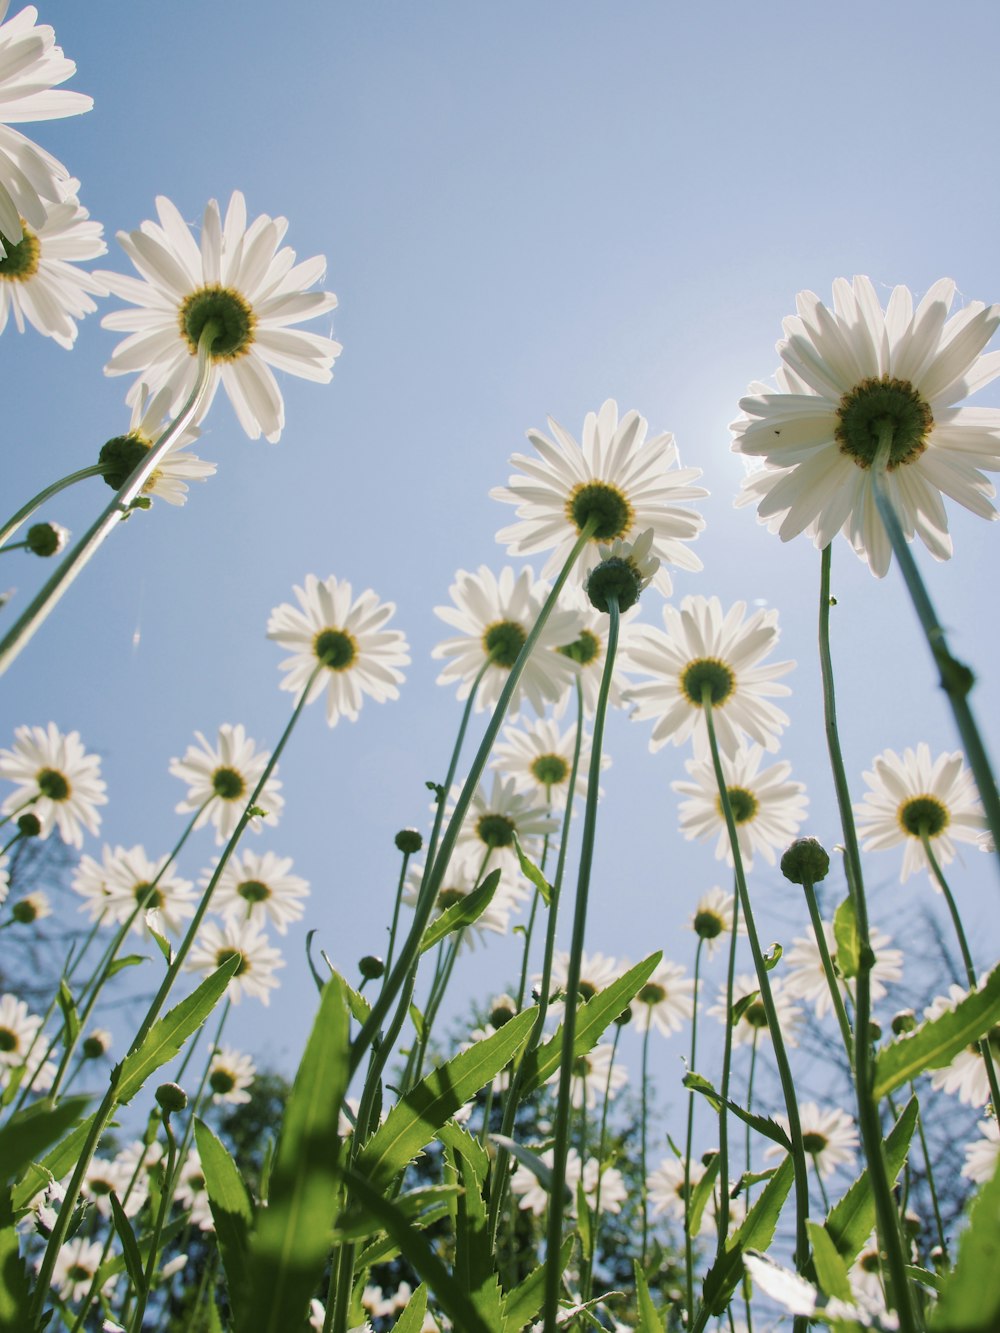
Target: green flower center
596, 499
870, 1262
53, 784
121, 456
708, 926
22, 258
584, 649
196, 1182
148, 897
614, 578
875, 403
500, 1015
496, 830
743, 804
503, 641
8, 1040
231, 314
550, 769
228, 784
224, 955
711, 672
100, 1188
78, 1273
253, 891
449, 897
923, 813
335, 648
814, 1142
652, 993
221, 1081
586, 990
755, 1014
581, 1066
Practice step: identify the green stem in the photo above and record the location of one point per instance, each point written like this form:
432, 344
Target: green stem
942, 1241
753, 1067
643, 1136
25, 512
586, 1279
553, 1273
689, 1141
395, 912
831, 976
154, 1245
722, 1213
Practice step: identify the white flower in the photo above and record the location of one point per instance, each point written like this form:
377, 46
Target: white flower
494, 616
702, 648
829, 1137
74, 1269
58, 781
539, 757
168, 481
597, 971
805, 977
230, 1073
30, 67
241, 281
589, 651
624, 570
752, 1023
713, 917
492, 820
767, 807
32, 907
533, 1197
191, 1193
846, 372
910, 792
627, 481
966, 1074
594, 1076
103, 1176
666, 1001
461, 878
258, 960
259, 888
348, 636
982, 1155
114, 888
221, 781
18, 1030
665, 1188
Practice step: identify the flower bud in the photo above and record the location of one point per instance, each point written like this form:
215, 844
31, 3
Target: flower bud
903, 1022
96, 1044
120, 457
805, 862
371, 967
46, 539
29, 825
171, 1097
502, 1010
32, 907
409, 840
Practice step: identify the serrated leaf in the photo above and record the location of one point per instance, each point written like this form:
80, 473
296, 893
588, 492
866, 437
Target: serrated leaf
750, 1178
464, 913
970, 1296
15, 1289
845, 932
130, 1249
831, 1271
356, 1002
384, 1248
129, 960
71, 1018
292, 1237
30, 1131
412, 1318
701, 1194
421, 1206
56, 1164
762, 1124
936, 1042
232, 1212
522, 1304
649, 1320
850, 1221
932, 1280
473, 1251
756, 1232
532, 873
162, 943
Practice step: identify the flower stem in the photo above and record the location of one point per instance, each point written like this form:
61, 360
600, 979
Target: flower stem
722, 1228
831, 976
553, 1272
643, 1135
942, 1240
689, 1140
154, 1245
43, 604
25, 512
956, 678
586, 1277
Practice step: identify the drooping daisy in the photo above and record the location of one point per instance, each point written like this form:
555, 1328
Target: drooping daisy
18, 1030
621, 572
911, 793
237, 279
713, 917
752, 1023
123, 880
533, 1197
829, 1137
230, 1073
461, 878
539, 757
494, 616
767, 807
593, 1076
259, 888
627, 481
589, 651
982, 1155
494, 816
966, 1075
30, 67
258, 960
75, 1268
704, 649
58, 781
805, 977
122, 455
221, 780
850, 371
347, 635
666, 1001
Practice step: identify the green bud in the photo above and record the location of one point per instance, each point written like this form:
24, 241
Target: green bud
371, 967
409, 840
46, 539
805, 862
171, 1097
29, 825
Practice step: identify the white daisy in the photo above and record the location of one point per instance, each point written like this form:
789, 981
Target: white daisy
123, 454
593, 1076
597, 971
76, 1264
222, 780
752, 1023
259, 888
702, 648
494, 616
58, 781
966, 1075
910, 792
230, 1073
621, 572
666, 1188
192, 1194
461, 877
982, 1155
866, 1272
539, 757
493, 818
348, 636
829, 1137
713, 917
805, 977
846, 372
18, 1030
106, 1174
114, 887
666, 1001
32, 907
30, 67
258, 960
534, 1198
767, 807
241, 281
589, 651
628, 481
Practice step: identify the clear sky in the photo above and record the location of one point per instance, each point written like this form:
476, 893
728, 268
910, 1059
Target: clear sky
525, 209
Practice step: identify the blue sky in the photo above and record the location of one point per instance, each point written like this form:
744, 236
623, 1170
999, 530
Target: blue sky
525, 209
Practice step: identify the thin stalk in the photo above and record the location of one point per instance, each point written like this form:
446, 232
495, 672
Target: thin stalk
25, 512
643, 1136
722, 1229
831, 977
395, 912
154, 1245
553, 1274
73, 564
942, 1241
586, 1278
689, 1141
753, 1067
956, 678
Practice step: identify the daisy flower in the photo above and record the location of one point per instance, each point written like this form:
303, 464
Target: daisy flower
753, 1021
713, 917
910, 793
966, 1075
666, 1001
494, 616
230, 1073
258, 960
767, 807
30, 67
589, 651
597, 971
666, 1188
259, 888
829, 1137
123, 454
58, 781
106, 1174
237, 279
122, 880
849, 370
539, 757
461, 878
628, 482
805, 977
702, 648
593, 1076
192, 1194
348, 637
18, 1030
221, 780
624, 570
74, 1269
492, 820
32, 907
533, 1197
983, 1154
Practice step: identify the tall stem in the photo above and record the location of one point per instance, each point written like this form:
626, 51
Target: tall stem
831, 977
586, 1278
689, 1141
722, 1228
25, 512
643, 1137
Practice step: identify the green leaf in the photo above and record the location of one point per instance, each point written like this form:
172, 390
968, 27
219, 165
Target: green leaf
538, 1168
701, 1194
56, 1164
936, 1043
232, 1212
762, 1124
741, 1006
168, 1034
592, 1018
831, 1271
421, 1206
130, 1249
773, 956
129, 960
850, 1221
293, 1233
933, 1280
756, 1232
522, 1304
473, 1252
970, 1297
461, 914
15, 1289
649, 1320
30, 1131
415, 1119
71, 1018
383, 1248
417, 1019
412, 1318
845, 932
162, 943
532, 873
